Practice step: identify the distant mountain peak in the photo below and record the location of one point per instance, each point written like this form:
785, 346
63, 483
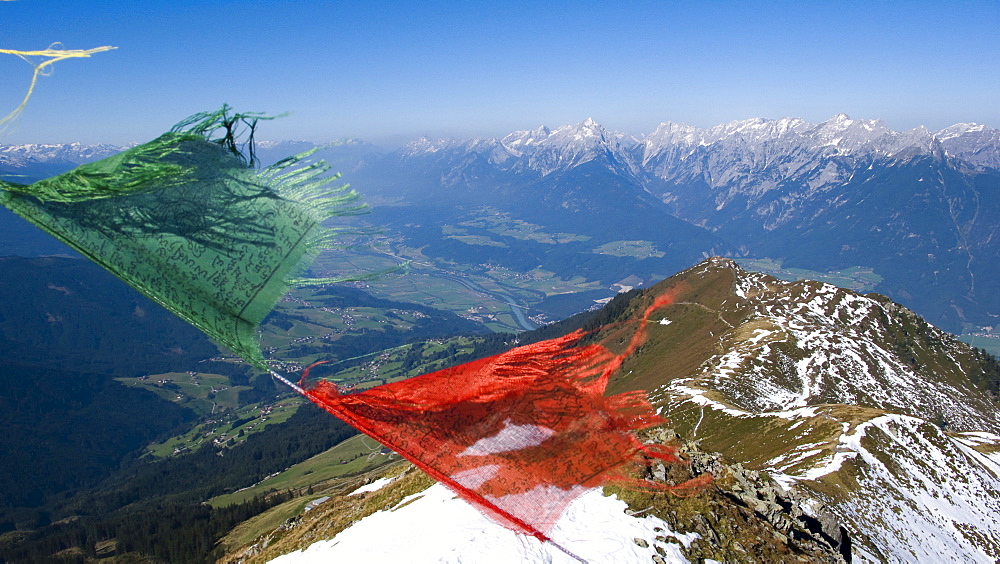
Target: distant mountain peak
586, 129
840, 118
960, 128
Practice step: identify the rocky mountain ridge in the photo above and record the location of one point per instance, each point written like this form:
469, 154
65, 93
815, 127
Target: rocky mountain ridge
757, 143
918, 207
850, 401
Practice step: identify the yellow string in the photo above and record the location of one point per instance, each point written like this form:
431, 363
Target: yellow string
53, 55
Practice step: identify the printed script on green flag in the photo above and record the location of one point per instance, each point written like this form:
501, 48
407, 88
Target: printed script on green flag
190, 222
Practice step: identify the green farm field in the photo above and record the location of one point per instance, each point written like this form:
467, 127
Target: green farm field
857, 278
204, 393
356, 455
223, 421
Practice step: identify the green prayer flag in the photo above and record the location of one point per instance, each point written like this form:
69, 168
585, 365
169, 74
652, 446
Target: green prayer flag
189, 221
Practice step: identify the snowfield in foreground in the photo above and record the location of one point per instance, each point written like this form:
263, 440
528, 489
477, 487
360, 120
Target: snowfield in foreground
436, 526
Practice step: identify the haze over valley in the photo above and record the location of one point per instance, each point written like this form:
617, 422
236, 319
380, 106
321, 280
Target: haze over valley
563, 217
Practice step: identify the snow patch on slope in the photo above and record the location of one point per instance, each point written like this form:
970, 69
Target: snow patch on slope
372, 487
937, 500
436, 526
808, 343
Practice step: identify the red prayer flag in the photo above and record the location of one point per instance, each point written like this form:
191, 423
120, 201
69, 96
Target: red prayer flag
519, 435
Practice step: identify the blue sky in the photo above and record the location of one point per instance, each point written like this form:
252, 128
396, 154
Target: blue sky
384, 71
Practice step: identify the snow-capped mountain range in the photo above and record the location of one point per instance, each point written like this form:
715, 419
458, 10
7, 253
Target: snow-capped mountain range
734, 153
758, 143
920, 208
21, 156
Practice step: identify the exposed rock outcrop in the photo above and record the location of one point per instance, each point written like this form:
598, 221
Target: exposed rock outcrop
742, 515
